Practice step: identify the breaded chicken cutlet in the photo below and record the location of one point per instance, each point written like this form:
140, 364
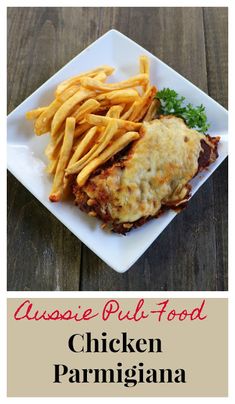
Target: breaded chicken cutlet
151, 175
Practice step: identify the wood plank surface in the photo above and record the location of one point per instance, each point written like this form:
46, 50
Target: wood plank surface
191, 254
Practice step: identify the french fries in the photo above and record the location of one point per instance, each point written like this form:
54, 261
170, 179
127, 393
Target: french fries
151, 111
109, 133
57, 187
72, 89
90, 120
108, 70
43, 123
119, 96
67, 93
86, 108
115, 111
126, 115
35, 113
142, 105
83, 146
82, 162
81, 129
65, 109
104, 121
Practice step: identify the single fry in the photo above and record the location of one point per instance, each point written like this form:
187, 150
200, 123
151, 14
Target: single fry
57, 188
35, 113
108, 70
63, 112
119, 96
114, 148
145, 68
144, 65
104, 121
43, 122
134, 81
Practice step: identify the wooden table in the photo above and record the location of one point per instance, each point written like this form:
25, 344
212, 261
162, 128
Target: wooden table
191, 254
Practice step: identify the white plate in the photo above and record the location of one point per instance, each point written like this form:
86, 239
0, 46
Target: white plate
27, 162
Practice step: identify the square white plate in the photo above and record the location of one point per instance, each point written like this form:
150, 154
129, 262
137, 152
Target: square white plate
26, 159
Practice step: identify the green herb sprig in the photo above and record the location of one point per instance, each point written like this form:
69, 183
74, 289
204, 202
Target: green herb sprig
173, 104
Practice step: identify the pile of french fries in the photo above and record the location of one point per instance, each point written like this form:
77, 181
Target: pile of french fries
90, 120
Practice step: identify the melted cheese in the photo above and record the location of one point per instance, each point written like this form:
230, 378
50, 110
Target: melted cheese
156, 172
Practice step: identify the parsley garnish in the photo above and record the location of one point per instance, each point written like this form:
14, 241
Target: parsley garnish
173, 104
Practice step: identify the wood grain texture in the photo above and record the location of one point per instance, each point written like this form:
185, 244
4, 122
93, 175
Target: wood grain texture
191, 254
